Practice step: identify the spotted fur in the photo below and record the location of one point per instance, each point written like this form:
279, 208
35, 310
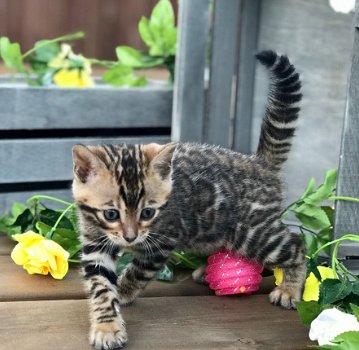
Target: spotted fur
202, 198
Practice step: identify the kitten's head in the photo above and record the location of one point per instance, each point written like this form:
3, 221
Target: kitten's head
121, 189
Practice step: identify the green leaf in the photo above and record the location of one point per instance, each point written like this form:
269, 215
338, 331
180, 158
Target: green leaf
162, 15
24, 221
325, 190
6, 226
46, 50
120, 75
308, 311
165, 274
11, 54
355, 288
134, 58
310, 243
324, 236
309, 189
49, 217
160, 30
312, 216
17, 209
330, 213
313, 267
333, 290
145, 32
355, 309
345, 341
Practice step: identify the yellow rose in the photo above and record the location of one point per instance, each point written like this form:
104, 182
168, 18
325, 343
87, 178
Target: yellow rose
40, 255
73, 78
311, 287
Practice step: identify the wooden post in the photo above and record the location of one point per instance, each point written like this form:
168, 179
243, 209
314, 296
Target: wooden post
347, 213
189, 94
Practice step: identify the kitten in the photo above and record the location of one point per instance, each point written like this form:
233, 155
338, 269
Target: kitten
157, 198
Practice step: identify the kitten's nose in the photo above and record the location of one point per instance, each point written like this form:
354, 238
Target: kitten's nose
130, 237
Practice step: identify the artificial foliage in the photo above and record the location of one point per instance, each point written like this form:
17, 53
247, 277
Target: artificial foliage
53, 61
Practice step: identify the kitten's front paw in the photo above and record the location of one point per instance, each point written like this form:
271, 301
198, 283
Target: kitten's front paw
284, 297
108, 336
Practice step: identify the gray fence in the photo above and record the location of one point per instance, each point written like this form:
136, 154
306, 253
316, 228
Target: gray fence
38, 128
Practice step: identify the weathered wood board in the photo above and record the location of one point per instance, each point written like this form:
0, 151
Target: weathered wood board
158, 323
49, 159
100, 107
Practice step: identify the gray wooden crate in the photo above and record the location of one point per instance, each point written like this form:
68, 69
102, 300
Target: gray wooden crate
39, 126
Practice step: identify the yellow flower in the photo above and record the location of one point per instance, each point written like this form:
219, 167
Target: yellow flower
278, 275
73, 78
40, 255
311, 287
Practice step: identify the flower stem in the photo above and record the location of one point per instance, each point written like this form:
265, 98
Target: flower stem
49, 234
337, 242
49, 198
187, 261
344, 198
73, 36
74, 260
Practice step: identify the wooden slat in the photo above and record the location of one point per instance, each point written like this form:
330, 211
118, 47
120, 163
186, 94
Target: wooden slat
6, 244
188, 101
346, 213
101, 107
158, 323
245, 76
17, 284
49, 159
217, 128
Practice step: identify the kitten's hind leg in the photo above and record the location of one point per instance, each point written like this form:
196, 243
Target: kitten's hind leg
198, 275
289, 256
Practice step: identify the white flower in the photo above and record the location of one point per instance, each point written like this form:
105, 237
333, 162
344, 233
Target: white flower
329, 324
343, 6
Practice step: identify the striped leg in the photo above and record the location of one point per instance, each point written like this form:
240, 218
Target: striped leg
137, 274
107, 326
289, 256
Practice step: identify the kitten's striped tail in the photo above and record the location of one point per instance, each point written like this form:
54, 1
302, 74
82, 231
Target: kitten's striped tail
281, 112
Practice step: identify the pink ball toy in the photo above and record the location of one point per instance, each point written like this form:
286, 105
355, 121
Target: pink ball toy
229, 273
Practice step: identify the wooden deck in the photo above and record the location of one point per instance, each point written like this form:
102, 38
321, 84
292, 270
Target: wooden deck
38, 312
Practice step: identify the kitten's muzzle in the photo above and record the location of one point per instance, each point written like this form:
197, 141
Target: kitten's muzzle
130, 237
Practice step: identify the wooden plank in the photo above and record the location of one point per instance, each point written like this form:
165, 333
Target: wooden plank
247, 322
17, 284
101, 107
189, 99
6, 244
346, 213
49, 159
217, 128
245, 75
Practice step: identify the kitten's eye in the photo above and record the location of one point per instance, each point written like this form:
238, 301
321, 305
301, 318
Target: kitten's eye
147, 213
111, 214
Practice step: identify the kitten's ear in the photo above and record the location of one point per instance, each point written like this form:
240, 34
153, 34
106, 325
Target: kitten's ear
85, 163
159, 157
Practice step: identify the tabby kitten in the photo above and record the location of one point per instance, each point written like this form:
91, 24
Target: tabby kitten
153, 199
